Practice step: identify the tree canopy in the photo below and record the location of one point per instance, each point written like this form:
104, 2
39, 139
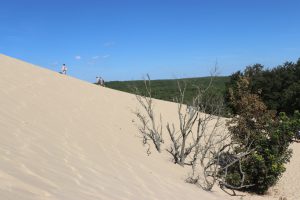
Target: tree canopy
279, 87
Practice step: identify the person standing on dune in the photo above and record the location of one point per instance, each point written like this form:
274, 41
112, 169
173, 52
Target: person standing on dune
98, 80
64, 69
102, 82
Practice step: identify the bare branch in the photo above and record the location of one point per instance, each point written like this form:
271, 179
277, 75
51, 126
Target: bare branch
148, 129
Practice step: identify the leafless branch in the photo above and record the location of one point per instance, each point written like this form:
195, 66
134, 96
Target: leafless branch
148, 129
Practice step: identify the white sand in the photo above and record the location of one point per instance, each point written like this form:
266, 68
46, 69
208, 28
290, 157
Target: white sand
62, 138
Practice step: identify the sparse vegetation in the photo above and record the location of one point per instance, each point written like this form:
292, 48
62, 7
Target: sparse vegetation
248, 154
148, 129
201, 140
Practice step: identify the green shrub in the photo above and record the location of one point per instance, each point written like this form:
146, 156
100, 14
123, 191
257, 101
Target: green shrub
267, 135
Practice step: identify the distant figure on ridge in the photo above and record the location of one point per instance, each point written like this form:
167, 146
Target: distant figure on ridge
102, 82
64, 69
99, 81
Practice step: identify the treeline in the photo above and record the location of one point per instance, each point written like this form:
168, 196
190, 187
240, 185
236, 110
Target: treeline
168, 89
279, 87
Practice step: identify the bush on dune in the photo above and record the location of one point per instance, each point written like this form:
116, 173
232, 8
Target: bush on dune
268, 135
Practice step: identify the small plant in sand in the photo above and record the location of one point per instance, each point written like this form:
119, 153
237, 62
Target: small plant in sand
149, 129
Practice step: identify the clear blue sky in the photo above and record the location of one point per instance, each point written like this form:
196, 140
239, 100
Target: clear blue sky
125, 39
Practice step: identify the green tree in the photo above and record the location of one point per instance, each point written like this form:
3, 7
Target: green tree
267, 135
278, 87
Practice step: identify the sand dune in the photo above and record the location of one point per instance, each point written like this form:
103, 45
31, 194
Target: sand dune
62, 138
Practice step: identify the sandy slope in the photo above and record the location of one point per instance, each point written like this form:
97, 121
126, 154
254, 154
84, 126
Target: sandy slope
62, 138
289, 185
